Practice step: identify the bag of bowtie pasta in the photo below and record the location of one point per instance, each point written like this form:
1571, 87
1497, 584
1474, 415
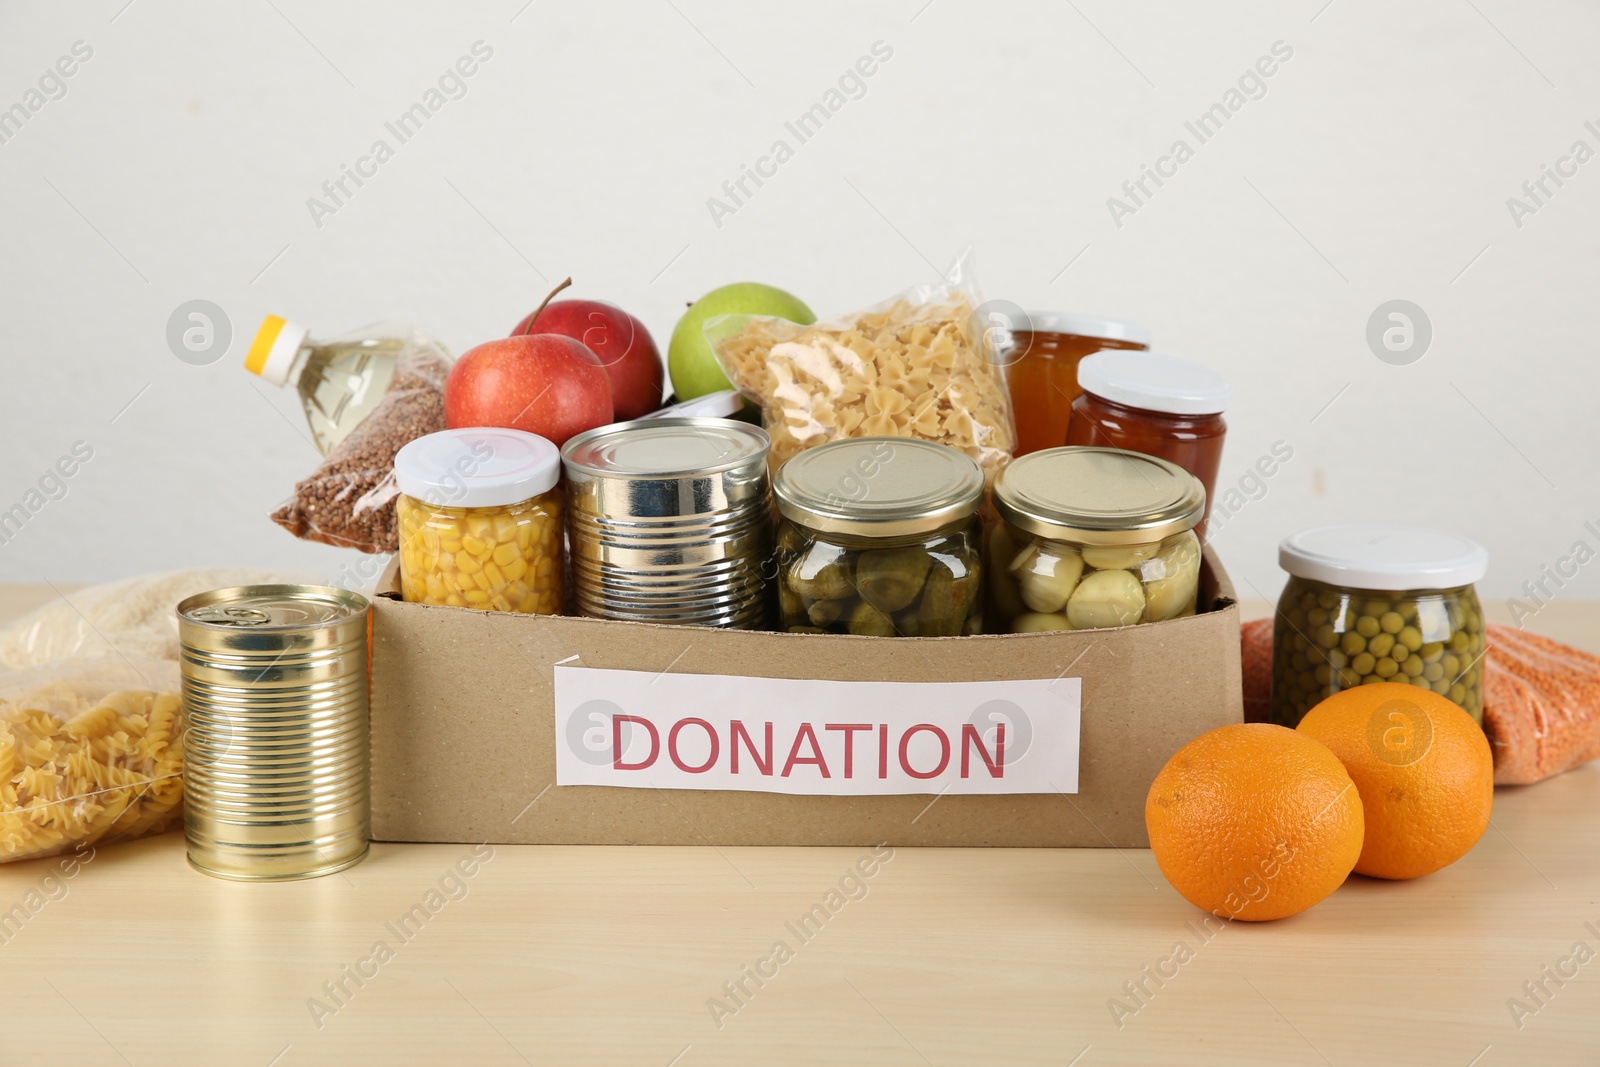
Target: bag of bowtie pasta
91, 751
917, 365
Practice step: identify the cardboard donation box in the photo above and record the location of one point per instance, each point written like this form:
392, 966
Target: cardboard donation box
534, 729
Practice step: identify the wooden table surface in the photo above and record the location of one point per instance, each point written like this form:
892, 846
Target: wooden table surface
665, 957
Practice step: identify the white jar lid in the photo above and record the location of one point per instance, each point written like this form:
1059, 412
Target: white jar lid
1154, 382
1086, 326
477, 467
1390, 558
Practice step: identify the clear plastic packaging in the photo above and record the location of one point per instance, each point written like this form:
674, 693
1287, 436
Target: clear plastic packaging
912, 366
339, 380
131, 617
1541, 706
91, 752
348, 501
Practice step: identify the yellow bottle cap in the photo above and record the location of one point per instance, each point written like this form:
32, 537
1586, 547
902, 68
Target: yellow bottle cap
272, 352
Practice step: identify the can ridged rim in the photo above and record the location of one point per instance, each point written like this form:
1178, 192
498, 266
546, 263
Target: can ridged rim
332, 808
670, 600
250, 597
692, 582
751, 446
295, 876
676, 608
727, 570
710, 523
281, 763
736, 621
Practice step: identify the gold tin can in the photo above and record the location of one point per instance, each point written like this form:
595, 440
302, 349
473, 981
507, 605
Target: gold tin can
275, 690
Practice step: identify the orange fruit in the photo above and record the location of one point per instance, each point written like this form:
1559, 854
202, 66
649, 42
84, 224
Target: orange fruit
1254, 821
1423, 768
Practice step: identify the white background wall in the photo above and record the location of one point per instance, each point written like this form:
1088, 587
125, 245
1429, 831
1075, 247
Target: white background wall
1377, 166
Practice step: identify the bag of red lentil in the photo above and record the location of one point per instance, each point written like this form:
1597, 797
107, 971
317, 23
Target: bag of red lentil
1541, 706
348, 501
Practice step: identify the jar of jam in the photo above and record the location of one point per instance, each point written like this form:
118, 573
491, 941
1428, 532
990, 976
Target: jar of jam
480, 521
1155, 404
1371, 604
1042, 369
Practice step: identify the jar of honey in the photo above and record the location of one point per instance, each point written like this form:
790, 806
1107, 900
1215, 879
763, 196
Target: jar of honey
1155, 404
1042, 369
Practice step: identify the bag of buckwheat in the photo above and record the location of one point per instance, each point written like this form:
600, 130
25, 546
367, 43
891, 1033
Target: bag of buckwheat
349, 499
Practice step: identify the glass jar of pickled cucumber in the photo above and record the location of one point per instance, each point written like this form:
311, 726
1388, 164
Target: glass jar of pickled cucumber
880, 537
480, 521
1377, 604
1093, 538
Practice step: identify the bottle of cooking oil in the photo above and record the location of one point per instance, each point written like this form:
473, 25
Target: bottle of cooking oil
339, 380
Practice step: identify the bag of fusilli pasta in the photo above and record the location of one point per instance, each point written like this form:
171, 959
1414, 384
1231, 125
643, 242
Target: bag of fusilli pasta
90, 752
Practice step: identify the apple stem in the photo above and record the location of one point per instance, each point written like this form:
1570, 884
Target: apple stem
546, 301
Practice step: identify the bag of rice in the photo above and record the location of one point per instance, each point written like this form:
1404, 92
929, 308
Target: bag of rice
131, 617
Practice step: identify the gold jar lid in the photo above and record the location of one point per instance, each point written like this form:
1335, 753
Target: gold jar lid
878, 487
1099, 496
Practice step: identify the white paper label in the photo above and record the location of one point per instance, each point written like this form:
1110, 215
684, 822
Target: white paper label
637, 729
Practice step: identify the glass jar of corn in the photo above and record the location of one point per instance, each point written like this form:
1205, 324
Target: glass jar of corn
480, 523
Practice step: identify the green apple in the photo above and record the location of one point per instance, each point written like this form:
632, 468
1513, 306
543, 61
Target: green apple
691, 363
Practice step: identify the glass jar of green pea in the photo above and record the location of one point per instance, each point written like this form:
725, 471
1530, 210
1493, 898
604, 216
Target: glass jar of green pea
1377, 603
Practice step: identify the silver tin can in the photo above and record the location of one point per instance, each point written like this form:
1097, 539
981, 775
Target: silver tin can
275, 689
670, 521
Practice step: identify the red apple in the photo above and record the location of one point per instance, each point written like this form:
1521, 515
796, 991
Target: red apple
543, 383
624, 346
